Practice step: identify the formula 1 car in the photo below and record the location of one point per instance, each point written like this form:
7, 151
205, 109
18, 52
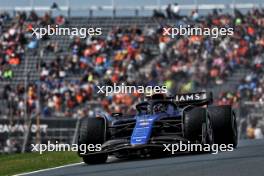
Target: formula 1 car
159, 120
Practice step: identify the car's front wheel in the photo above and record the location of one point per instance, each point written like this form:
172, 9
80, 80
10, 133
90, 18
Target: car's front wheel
92, 131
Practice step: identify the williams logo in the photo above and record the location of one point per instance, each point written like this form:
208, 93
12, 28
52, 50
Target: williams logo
190, 97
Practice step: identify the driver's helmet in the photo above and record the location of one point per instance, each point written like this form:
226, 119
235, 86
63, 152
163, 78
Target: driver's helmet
160, 107
148, 109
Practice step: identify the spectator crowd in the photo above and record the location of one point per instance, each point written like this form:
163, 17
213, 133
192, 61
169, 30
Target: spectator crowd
190, 63
68, 84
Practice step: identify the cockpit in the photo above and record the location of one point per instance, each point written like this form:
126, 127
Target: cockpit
156, 107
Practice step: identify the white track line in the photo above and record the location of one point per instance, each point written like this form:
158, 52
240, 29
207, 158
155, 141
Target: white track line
48, 169
53, 168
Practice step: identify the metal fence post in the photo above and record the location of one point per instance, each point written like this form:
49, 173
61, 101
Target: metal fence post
74, 139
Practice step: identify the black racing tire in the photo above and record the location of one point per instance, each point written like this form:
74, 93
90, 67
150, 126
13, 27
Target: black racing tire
92, 131
224, 125
193, 122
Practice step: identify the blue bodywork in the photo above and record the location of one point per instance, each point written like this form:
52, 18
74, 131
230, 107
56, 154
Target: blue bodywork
144, 123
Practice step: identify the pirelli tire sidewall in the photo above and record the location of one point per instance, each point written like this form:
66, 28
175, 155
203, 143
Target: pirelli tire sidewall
224, 125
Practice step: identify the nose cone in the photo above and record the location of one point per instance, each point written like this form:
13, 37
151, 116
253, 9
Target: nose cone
142, 130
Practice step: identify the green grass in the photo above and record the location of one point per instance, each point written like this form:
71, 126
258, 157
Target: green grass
19, 163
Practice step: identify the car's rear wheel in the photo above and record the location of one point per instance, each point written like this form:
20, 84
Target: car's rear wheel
193, 123
92, 131
224, 125
198, 128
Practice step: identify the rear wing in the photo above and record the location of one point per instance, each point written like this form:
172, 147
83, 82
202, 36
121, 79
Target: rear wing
199, 99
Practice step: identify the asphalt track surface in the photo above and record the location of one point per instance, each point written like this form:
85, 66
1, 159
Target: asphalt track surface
246, 160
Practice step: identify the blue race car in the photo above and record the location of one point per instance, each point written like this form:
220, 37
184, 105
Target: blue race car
160, 120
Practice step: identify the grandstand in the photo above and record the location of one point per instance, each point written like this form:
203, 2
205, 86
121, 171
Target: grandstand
56, 76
